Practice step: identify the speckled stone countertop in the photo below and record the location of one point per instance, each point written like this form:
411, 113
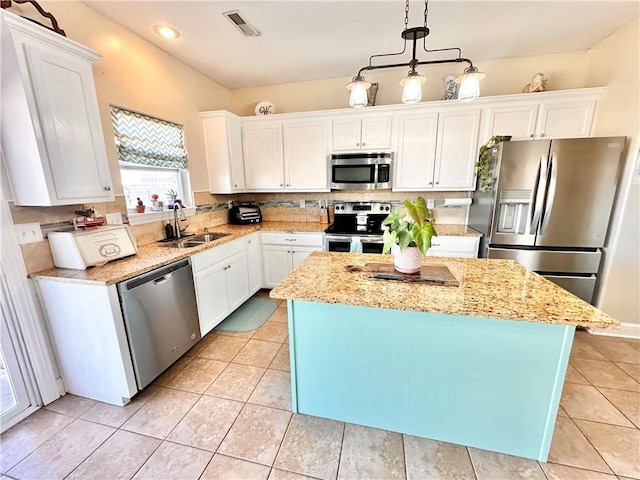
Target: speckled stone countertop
456, 230
490, 288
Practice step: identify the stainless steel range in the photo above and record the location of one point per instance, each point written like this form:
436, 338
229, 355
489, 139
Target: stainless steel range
362, 220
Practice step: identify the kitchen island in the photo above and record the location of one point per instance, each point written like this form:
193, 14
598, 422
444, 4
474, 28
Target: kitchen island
481, 364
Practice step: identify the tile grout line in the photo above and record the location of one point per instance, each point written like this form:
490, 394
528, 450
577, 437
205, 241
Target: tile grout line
592, 446
344, 429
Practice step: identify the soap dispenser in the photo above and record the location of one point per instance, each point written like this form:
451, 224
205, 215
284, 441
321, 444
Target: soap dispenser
168, 229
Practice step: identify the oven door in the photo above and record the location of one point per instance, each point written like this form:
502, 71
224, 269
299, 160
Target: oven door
342, 243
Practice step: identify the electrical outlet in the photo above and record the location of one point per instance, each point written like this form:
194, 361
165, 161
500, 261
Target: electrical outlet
431, 203
114, 218
230, 204
28, 233
302, 203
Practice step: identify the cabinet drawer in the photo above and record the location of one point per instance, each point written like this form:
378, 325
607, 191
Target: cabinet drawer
453, 246
302, 239
209, 257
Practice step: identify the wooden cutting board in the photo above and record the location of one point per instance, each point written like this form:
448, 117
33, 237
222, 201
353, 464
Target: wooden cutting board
435, 274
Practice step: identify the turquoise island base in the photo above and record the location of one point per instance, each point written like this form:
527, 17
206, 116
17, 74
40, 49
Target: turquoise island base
381, 354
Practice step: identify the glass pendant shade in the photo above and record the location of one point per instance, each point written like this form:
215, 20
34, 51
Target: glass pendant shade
358, 87
412, 83
469, 84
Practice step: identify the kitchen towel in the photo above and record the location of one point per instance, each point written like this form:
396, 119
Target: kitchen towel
251, 315
457, 202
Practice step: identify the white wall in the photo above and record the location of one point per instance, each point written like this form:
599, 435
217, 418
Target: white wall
615, 62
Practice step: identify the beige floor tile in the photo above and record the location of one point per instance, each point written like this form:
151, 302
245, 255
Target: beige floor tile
311, 447
614, 349
222, 467
202, 344
561, 412
634, 342
630, 369
282, 360
574, 376
162, 413
198, 375
432, 459
272, 332
63, 452
172, 461
207, 423
279, 316
619, 446
273, 390
115, 416
563, 472
581, 348
120, 457
627, 402
257, 434
492, 465
71, 405
570, 447
371, 453
245, 335
223, 348
277, 474
172, 371
236, 382
605, 374
257, 353
587, 403
25, 437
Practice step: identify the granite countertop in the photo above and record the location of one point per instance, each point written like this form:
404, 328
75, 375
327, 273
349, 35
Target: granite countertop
449, 230
491, 288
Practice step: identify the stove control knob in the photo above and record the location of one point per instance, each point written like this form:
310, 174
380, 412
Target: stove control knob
387, 208
381, 207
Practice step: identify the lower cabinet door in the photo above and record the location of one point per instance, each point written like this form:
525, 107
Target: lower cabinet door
254, 260
211, 295
237, 280
277, 264
298, 254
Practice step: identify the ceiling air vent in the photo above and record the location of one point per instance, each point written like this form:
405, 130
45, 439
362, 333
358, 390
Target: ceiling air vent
241, 24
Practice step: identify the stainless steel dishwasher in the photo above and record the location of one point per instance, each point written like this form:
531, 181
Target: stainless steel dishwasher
161, 318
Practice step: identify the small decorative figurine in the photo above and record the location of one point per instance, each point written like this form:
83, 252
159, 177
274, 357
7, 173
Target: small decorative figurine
140, 206
538, 84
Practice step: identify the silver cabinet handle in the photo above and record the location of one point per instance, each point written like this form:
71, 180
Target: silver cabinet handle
363, 144
358, 144
107, 188
281, 185
541, 135
249, 241
438, 182
531, 136
290, 239
236, 186
224, 268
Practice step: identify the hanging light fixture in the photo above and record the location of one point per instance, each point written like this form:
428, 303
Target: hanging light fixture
412, 83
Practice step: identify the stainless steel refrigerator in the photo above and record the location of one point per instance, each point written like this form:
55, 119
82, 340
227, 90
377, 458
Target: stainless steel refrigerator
548, 207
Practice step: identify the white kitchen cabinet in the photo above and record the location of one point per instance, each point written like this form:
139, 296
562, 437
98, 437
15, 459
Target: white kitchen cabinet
456, 149
306, 151
54, 149
253, 246
263, 156
437, 151
223, 146
282, 252
454, 246
372, 132
221, 278
554, 118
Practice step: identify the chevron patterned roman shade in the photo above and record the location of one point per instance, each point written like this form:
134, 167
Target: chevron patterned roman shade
148, 141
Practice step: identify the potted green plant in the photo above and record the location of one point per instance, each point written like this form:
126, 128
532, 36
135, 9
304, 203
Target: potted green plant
484, 163
408, 235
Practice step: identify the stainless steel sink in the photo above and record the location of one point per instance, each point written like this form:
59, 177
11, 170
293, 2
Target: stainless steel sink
194, 241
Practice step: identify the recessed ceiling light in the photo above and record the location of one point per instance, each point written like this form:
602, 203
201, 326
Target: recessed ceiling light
166, 31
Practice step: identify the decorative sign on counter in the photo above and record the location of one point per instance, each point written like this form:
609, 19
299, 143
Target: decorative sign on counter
434, 274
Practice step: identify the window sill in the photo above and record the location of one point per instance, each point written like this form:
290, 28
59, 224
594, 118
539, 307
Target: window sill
157, 216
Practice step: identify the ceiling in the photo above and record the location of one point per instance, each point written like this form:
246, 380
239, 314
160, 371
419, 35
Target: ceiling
311, 40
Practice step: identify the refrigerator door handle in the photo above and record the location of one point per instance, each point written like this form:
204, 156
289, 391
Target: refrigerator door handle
551, 192
538, 195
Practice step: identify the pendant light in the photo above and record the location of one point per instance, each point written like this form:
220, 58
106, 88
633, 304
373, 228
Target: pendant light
412, 83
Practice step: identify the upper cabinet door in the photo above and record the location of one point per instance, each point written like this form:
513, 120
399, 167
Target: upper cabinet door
346, 134
223, 145
566, 119
457, 149
376, 132
518, 121
234, 137
416, 151
48, 79
263, 159
306, 156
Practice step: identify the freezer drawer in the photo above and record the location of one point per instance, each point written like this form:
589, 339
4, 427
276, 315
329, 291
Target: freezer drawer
582, 287
551, 260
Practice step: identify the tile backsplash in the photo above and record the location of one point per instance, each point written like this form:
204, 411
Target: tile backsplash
212, 211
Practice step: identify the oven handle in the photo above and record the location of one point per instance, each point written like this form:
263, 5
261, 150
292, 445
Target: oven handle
348, 238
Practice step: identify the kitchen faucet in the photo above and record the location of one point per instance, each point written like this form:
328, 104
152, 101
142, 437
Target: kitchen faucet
178, 214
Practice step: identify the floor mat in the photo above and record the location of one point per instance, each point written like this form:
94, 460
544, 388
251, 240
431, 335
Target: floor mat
252, 314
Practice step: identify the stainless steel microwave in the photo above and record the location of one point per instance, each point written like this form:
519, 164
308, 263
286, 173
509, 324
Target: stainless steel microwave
361, 171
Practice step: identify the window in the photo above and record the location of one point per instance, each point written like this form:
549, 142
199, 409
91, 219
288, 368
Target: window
152, 157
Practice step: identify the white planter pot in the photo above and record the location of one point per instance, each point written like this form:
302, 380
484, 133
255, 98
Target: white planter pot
408, 261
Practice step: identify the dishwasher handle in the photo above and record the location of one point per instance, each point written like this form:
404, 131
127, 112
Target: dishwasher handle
161, 280
158, 276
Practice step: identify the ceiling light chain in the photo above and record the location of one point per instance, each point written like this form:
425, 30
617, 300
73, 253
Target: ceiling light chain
412, 83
